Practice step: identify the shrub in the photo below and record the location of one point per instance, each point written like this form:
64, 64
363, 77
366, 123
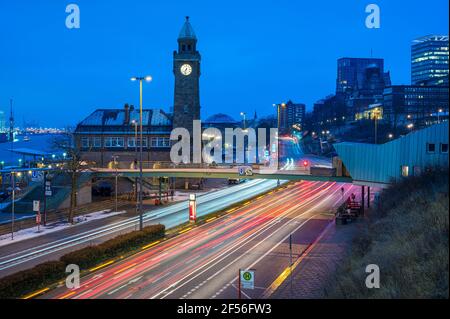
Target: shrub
42, 275
92, 255
28, 281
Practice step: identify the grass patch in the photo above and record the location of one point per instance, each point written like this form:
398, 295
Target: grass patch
406, 235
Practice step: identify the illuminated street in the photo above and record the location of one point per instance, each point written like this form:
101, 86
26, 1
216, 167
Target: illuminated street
203, 262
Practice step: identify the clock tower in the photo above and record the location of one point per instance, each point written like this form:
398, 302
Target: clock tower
186, 68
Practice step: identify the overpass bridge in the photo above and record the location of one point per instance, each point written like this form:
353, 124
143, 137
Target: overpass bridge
290, 175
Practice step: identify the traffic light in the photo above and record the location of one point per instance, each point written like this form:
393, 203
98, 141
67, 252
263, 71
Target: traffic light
305, 163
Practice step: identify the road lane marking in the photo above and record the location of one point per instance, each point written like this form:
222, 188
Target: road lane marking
34, 294
117, 289
184, 230
151, 245
124, 268
102, 265
68, 295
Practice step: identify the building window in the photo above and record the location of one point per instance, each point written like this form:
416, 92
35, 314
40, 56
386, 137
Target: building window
160, 142
444, 148
85, 142
131, 142
431, 147
405, 170
114, 142
97, 142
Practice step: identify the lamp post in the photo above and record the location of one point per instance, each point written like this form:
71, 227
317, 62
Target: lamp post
135, 123
13, 183
146, 78
116, 177
439, 113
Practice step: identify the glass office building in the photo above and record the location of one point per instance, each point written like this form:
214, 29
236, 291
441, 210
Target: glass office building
429, 60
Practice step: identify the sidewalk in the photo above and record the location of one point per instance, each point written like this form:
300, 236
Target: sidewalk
312, 273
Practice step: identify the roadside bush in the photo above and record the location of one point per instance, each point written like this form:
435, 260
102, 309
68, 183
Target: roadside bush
92, 255
28, 281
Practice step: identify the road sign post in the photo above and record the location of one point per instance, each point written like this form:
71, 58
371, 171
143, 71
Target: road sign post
290, 260
36, 208
47, 192
246, 280
192, 208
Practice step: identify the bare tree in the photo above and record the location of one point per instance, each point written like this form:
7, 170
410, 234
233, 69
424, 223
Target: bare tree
72, 164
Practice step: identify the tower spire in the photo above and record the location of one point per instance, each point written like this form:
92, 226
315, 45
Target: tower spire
187, 32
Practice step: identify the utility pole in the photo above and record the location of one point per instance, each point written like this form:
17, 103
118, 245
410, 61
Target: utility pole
45, 198
239, 284
12, 204
116, 177
140, 79
290, 261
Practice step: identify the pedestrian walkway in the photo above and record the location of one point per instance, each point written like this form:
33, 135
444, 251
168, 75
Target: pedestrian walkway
318, 266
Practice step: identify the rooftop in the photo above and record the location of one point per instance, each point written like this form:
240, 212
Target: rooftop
117, 117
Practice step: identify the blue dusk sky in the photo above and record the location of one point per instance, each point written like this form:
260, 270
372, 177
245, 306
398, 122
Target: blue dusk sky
254, 53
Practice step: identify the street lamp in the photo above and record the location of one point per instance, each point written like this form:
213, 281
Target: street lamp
146, 78
439, 113
135, 124
390, 135
116, 177
13, 199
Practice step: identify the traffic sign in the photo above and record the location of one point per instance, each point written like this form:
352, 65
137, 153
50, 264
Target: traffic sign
48, 188
192, 208
245, 171
37, 176
36, 206
248, 279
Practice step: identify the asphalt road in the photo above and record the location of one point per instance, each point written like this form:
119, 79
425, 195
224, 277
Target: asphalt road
204, 261
27, 253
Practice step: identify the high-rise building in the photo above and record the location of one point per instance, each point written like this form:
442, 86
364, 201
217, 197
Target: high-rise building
2, 122
352, 73
429, 60
290, 115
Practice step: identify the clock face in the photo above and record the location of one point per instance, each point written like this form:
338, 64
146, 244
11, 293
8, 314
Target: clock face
186, 69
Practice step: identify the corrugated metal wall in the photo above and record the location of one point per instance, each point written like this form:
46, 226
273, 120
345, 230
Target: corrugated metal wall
381, 163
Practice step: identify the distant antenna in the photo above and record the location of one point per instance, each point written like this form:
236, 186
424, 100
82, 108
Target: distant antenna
11, 121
